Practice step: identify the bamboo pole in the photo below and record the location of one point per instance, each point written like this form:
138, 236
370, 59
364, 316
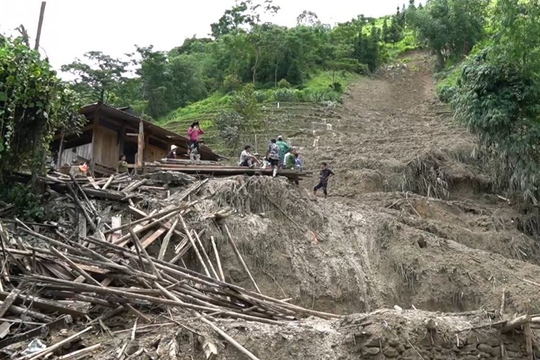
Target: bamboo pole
194, 246
51, 348
145, 253
223, 334
218, 261
166, 240
199, 242
241, 259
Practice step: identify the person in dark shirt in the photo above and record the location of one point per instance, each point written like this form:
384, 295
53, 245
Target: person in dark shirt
324, 175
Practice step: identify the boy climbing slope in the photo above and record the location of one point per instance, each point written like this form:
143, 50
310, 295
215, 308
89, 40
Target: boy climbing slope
324, 175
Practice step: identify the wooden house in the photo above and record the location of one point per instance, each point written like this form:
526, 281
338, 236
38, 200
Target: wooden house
112, 132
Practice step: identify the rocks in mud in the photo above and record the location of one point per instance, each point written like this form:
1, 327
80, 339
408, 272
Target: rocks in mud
376, 347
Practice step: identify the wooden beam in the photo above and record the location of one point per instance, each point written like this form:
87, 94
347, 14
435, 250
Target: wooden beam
94, 130
140, 146
60, 152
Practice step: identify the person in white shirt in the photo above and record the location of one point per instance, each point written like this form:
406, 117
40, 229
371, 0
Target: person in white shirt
246, 158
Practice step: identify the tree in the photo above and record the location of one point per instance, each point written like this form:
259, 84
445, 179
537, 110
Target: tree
242, 16
34, 104
386, 36
450, 27
498, 96
308, 18
97, 78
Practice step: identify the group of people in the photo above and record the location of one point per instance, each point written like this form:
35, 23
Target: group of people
279, 155
194, 144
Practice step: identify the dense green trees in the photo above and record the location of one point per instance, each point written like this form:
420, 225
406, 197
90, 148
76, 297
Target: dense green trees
34, 103
243, 50
450, 28
497, 96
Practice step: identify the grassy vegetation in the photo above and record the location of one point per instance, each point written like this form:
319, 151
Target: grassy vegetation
408, 43
210, 105
316, 89
323, 80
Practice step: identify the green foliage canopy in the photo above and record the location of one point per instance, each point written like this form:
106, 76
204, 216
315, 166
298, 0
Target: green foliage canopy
34, 104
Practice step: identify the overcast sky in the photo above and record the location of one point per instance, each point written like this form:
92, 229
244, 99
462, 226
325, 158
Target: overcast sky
72, 27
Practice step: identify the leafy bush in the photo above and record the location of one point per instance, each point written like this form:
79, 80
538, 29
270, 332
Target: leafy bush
245, 103
501, 105
261, 96
285, 95
232, 83
229, 124
284, 84
337, 87
27, 204
446, 88
318, 96
34, 103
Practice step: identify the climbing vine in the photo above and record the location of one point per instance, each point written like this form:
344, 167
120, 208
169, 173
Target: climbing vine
34, 104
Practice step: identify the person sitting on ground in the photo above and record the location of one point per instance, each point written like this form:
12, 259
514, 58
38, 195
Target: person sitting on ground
284, 148
246, 158
172, 153
260, 161
122, 165
324, 175
272, 155
194, 134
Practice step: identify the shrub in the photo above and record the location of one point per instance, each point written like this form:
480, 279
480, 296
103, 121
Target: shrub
261, 96
27, 204
337, 87
285, 95
232, 83
284, 84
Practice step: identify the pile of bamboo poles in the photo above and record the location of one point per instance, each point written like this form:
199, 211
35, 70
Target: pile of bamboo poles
49, 277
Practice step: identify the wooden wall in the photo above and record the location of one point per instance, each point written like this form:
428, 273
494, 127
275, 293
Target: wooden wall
153, 153
83, 151
107, 150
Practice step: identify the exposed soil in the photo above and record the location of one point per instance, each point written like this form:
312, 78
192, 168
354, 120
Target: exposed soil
411, 223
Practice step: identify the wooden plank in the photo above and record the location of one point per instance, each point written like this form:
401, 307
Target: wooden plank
94, 137
146, 243
82, 226
140, 145
93, 182
9, 299
39, 303
116, 221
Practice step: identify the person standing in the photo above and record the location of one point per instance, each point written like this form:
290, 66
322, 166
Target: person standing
194, 134
122, 165
324, 175
273, 156
284, 148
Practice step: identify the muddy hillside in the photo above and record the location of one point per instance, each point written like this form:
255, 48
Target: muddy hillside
412, 256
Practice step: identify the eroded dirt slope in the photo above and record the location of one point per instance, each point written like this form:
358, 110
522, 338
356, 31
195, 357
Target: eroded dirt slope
410, 221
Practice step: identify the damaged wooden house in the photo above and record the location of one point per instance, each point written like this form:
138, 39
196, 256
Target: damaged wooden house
112, 132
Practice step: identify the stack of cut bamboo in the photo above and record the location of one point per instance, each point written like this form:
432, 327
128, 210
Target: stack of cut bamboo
50, 277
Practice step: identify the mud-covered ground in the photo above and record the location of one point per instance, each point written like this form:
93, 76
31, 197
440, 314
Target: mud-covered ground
411, 222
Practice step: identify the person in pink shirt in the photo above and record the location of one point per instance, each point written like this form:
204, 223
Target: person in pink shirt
194, 133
